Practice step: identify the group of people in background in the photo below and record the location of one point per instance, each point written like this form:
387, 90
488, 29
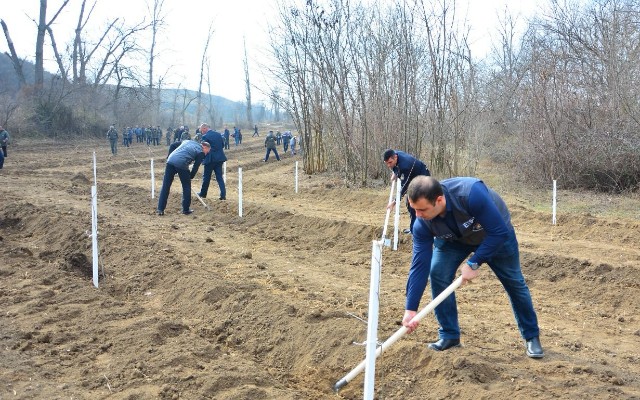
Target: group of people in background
272, 140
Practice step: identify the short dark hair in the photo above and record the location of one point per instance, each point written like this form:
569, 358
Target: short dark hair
424, 187
206, 144
388, 154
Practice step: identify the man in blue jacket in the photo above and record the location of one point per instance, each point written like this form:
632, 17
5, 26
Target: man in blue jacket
178, 162
406, 167
213, 161
457, 217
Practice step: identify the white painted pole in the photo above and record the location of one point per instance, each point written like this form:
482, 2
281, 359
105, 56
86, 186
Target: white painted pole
399, 333
153, 182
387, 242
296, 179
372, 326
94, 232
553, 219
396, 221
224, 172
95, 174
240, 192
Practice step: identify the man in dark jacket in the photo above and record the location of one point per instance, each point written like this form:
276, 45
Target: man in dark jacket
458, 217
270, 144
406, 167
213, 161
178, 162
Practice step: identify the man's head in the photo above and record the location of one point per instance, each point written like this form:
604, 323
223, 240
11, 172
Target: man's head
390, 158
206, 147
204, 127
426, 197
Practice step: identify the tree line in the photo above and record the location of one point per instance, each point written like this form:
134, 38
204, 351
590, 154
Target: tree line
555, 100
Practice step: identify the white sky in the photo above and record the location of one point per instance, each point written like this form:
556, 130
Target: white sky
187, 21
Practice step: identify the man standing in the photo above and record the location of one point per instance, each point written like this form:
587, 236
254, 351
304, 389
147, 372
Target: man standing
226, 138
112, 135
406, 167
255, 131
213, 161
4, 140
457, 217
270, 144
178, 162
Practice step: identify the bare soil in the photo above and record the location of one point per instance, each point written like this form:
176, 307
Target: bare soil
271, 305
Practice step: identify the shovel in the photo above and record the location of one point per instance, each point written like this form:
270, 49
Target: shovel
399, 333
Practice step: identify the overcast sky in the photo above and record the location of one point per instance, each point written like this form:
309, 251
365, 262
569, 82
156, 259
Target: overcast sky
187, 21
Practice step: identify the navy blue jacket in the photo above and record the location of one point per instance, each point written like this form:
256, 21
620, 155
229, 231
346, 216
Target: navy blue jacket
407, 168
216, 153
480, 218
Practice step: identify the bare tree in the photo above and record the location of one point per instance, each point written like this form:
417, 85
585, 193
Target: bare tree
203, 62
247, 83
15, 60
43, 25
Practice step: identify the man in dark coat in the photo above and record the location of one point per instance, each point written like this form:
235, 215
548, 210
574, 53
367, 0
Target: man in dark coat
213, 161
406, 167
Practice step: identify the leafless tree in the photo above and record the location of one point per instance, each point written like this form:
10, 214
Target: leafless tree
247, 83
203, 66
15, 60
43, 25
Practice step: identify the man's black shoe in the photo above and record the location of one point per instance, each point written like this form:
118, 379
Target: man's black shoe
187, 212
534, 348
406, 230
223, 198
201, 196
160, 212
444, 344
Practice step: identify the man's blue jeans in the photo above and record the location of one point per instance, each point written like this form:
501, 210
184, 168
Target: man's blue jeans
185, 178
447, 257
216, 167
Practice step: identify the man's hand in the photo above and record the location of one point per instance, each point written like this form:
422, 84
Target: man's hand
407, 321
391, 205
467, 273
393, 176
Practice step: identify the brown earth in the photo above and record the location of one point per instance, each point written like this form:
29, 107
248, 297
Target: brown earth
271, 305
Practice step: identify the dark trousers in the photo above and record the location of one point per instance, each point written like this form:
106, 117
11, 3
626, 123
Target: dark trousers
215, 167
266, 157
1, 159
412, 213
185, 178
4, 150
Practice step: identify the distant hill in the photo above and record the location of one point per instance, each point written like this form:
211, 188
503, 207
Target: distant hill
230, 111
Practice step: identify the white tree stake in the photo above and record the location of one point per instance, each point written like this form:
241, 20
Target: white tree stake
94, 232
296, 179
372, 325
240, 192
224, 172
387, 242
396, 221
553, 219
153, 182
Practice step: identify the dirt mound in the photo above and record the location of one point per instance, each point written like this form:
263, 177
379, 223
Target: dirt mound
273, 304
